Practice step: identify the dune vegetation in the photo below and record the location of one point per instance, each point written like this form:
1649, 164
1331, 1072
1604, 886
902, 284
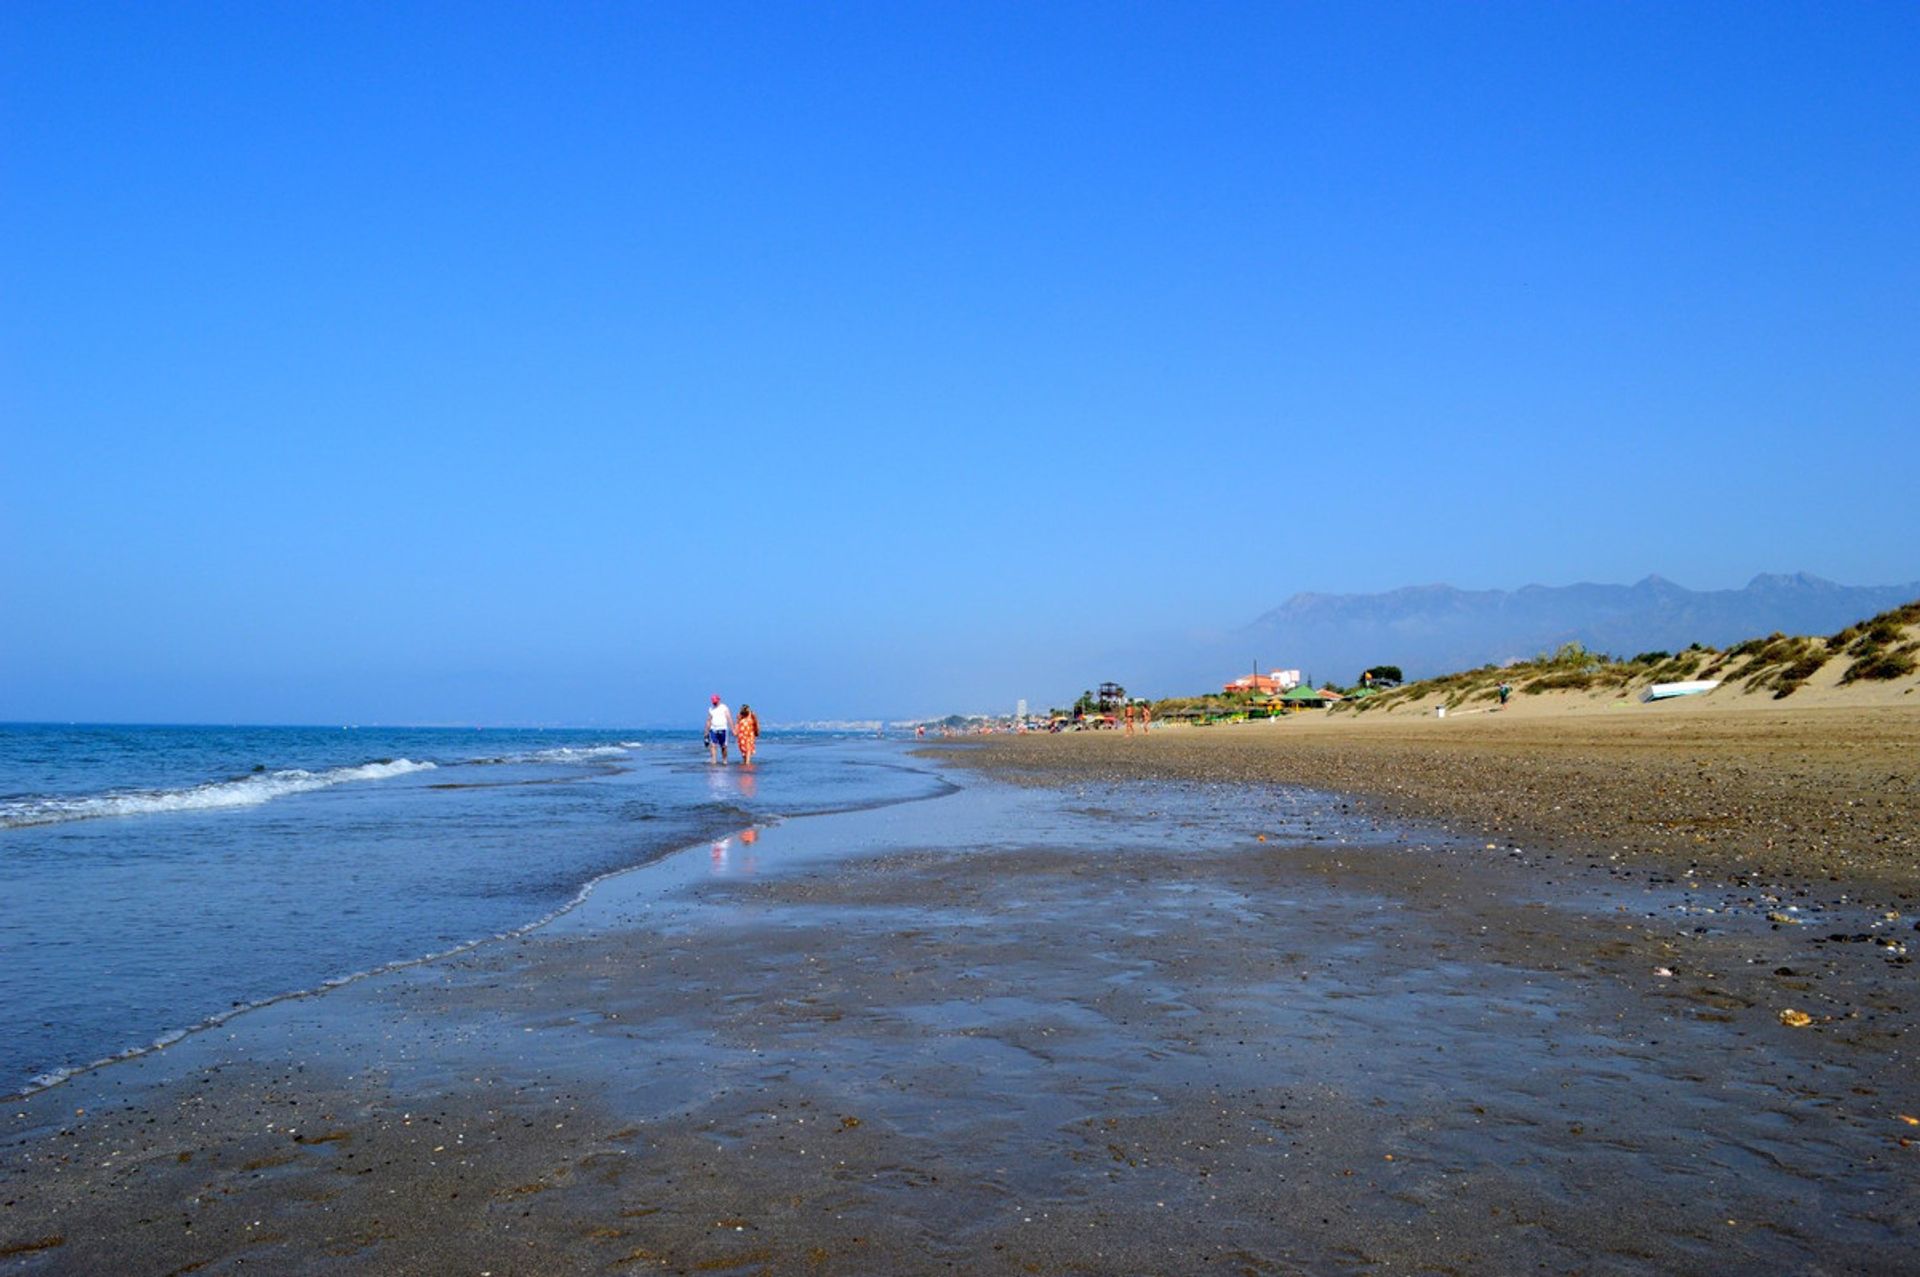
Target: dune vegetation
1880, 648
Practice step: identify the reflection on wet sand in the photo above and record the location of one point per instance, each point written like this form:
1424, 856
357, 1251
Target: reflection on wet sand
728, 859
727, 783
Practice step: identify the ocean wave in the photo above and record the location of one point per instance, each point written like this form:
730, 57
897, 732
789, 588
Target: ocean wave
561, 754
577, 754
247, 791
54, 1077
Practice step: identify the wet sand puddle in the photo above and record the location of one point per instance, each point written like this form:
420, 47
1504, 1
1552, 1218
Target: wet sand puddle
1013, 1030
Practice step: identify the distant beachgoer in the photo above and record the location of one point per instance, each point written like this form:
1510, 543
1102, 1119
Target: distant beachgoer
746, 730
719, 720
1146, 717
1128, 712
1506, 690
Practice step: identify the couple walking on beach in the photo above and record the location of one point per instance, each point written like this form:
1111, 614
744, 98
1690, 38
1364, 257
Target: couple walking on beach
745, 728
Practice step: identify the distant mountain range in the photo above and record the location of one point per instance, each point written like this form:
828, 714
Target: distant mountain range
1433, 629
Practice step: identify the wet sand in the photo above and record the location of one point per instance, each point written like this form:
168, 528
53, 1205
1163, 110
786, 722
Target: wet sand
1084, 1028
1828, 796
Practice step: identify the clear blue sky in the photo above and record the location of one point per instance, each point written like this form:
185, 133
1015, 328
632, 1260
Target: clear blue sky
525, 363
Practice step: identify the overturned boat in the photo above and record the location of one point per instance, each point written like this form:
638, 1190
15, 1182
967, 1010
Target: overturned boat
1667, 691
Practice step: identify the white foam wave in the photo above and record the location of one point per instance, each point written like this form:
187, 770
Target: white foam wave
571, 754
248, 791
564, 754
54, 1077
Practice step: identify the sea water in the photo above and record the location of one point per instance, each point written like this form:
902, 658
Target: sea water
156, 879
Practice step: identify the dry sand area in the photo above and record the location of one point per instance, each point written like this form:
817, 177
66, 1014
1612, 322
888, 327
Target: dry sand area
1732, 786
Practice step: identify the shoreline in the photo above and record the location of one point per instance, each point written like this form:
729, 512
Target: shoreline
1086, 1028
170, 1037
173, 1037
1806, 797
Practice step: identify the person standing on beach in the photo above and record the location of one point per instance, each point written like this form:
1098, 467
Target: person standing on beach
746, 730
1128, 713
719, 720
1146, 717
1506, 690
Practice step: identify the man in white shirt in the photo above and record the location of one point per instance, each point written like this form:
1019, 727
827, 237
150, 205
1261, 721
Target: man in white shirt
719, 722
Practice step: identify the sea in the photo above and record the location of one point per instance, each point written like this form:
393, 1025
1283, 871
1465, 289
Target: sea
155, 880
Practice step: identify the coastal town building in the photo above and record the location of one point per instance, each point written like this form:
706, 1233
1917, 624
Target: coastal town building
1270, 684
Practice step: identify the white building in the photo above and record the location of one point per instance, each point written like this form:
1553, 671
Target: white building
1287, 679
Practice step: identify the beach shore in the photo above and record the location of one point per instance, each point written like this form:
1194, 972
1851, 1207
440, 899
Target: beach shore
1088, 1026
1827, 796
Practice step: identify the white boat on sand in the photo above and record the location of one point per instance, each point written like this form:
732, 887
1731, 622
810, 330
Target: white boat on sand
1667, 691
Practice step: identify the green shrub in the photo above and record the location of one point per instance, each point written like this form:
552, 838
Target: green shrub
1879, 632
1752, 645
1779, 662
1887, 663
1788, 680
1570, 656
1875, 644
1572, 680
1675, 670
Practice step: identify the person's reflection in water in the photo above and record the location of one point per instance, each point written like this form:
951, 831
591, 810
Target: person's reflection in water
724, 785
723, 860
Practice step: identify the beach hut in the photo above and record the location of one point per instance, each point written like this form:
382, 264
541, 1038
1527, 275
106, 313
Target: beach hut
1305, 698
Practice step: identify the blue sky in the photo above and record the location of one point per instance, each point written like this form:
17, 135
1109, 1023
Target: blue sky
489, 363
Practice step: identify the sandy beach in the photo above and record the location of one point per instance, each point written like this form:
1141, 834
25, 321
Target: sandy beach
1822, 795
581, 581
1158, 1014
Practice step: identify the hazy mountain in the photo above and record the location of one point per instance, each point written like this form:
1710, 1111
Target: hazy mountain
1431, 629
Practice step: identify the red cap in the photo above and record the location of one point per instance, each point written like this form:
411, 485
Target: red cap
716, 698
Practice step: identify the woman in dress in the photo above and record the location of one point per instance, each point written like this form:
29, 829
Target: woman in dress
746, 732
